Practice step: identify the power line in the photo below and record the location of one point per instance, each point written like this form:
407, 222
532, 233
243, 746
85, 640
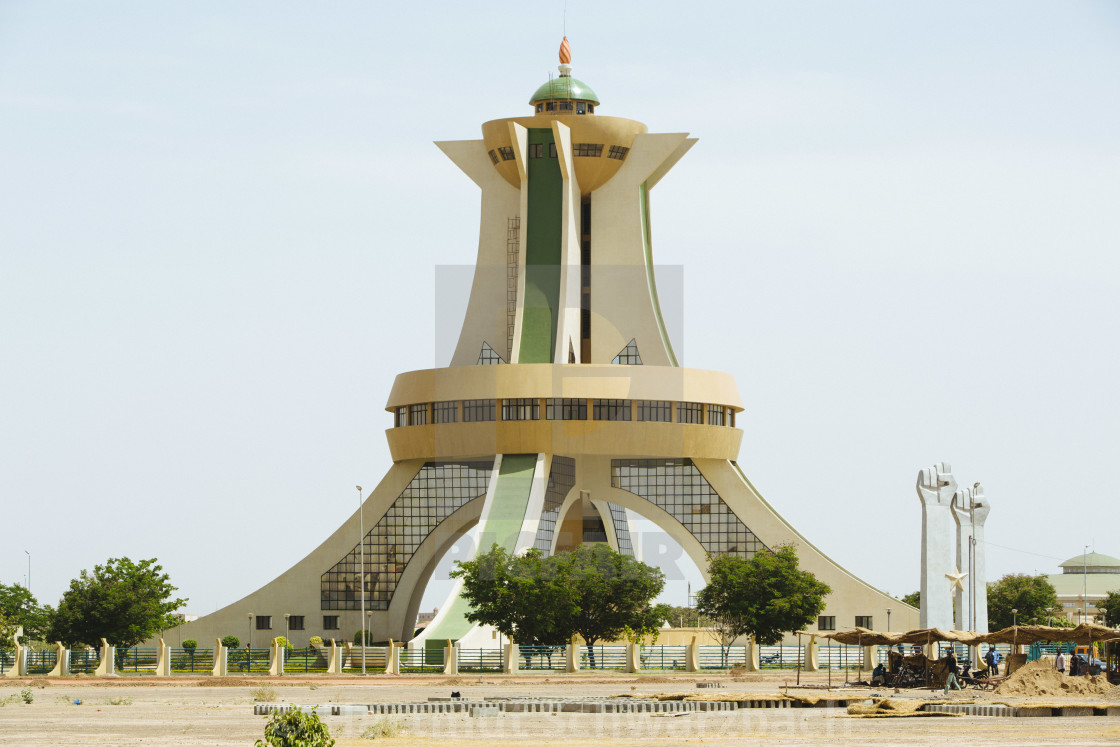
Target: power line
1025, 552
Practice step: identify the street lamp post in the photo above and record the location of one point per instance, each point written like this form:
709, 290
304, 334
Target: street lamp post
1084, 581
362, 581
1014, 617
286, 616
888, 619
249, 647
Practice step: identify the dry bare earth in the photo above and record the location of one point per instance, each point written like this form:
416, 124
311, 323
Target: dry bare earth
219, 712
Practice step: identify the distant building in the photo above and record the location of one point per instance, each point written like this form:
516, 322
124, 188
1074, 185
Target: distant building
424, 618
1084, 581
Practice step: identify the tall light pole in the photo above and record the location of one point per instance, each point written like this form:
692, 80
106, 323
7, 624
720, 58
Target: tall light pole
1084, 581
286, 616
28, 572
1014, 617
249, 647
888, 619
362, 581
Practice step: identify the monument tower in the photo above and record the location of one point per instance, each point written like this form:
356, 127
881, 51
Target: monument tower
564, 406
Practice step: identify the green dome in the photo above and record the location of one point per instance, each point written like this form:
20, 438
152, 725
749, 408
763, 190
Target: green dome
564, 87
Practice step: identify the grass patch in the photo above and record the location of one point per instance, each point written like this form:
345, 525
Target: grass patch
262, 693
120, 700
383, 727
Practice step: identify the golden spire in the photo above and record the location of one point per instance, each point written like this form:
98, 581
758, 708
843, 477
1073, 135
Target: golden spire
565, 52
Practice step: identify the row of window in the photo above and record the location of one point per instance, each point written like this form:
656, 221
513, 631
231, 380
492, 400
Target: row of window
828, 622
295, 622
557, 408
579, 150
579, 107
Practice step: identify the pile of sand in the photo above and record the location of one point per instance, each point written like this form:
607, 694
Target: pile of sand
1040, 679
888, 708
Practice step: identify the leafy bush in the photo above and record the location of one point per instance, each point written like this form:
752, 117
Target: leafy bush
190, 644
358, 638
27, 695
296, 729
283, 642
316, 640
231, 641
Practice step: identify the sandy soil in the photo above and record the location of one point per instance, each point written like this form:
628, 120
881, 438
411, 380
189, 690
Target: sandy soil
205, 711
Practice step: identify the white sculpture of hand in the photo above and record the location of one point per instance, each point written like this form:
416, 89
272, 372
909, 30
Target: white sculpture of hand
936, 485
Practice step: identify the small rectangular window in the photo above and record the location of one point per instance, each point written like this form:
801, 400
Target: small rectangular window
536, 150
655, 411
521, 409
402, 417
566, 409
493, 156
550, 106
565, 106
478, 410
539, 108
715, 415
418, 414
826, 622
618, 153
507, 153
264, 622
690, 412
587, 150
864, 621
295, 622
330, 622
581, 107
612, 409
445, 412
552, 150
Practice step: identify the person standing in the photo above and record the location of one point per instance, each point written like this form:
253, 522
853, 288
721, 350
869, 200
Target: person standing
1060, 662
951, 672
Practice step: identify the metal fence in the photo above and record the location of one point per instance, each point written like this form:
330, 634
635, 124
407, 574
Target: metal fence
377, 658
306, 660
663, 657
546, 658
419, 660
480, 660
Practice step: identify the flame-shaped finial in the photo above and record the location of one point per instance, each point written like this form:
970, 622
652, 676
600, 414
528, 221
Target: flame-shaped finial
565, 52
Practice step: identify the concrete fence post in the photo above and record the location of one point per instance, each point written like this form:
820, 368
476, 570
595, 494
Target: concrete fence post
61, 662
275, 659
451, 658
163, 660
751, 655
571, 656
692, 662
19, 668
334, 662
107, 666
513, 653
812, 659
221, 662
634, 657
869, 656
393, 660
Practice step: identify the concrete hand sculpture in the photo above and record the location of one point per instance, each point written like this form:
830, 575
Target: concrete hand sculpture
970, 510
936, 488
936, 485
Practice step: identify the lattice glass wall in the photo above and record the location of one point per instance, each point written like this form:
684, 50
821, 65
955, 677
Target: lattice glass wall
438, 490
561, 479
676, 486
621, 529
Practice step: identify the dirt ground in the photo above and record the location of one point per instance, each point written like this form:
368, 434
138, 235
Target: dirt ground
204, 711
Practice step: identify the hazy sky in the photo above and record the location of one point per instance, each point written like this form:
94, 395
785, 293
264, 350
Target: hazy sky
220, 225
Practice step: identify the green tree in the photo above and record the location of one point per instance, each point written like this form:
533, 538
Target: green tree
1030, 596
592, 591
122, 601
20, 607
914, 599
688, 617
231, 641
521, 596
765, 595
609, 593
1110, 606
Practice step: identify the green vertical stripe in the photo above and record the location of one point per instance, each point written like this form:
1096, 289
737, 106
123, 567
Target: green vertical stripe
541, 304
